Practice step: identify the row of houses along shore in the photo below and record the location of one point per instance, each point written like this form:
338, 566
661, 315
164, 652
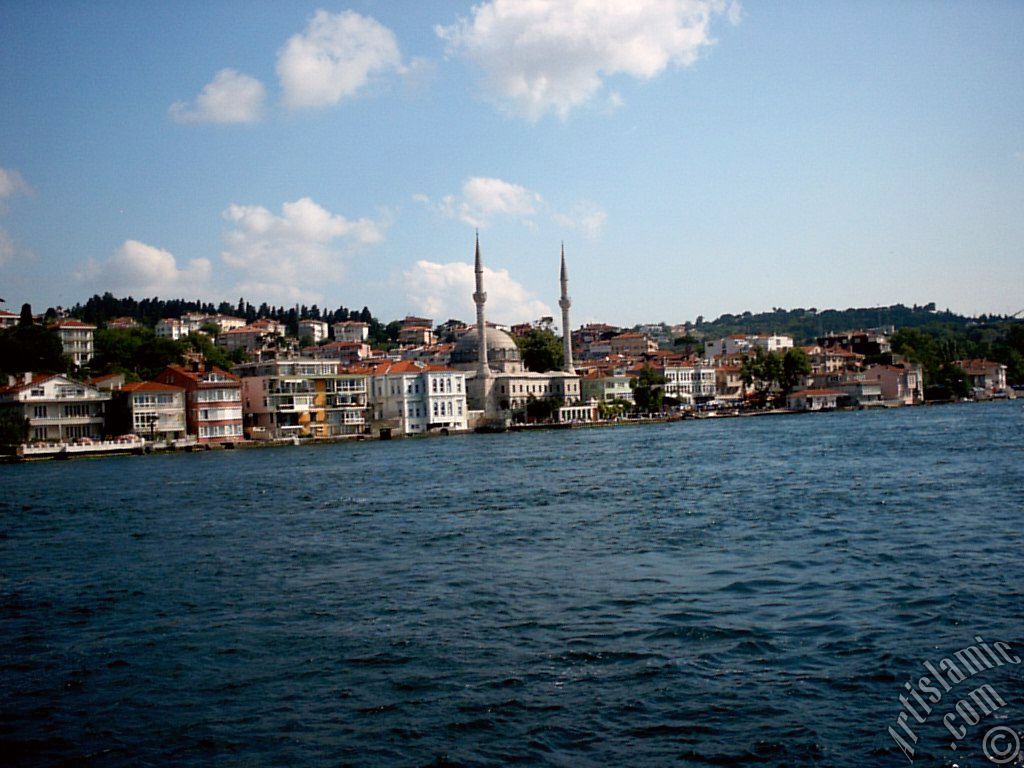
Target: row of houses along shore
338, 387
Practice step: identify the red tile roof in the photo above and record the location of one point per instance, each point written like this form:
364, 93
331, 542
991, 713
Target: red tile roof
72, 324
150, 386
37, 378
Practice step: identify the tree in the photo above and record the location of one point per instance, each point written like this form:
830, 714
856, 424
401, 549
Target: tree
760, 371
951, 381
541, 350
26, 316
138, 351
13, 428
542, 409
688, 344
648, 390
795, 365
213, 354
31, 348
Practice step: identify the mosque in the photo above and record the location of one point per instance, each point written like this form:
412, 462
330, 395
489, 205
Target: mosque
497, 382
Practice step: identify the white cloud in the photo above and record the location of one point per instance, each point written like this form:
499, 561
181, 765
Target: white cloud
12, 183
584, 217
290, 257
554, 55
231, 97
334, 58
445, 290
145, 270
484, 199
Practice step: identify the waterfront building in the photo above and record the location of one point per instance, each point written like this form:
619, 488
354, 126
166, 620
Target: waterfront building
729, 384
8, 319
987, 377
302, 397
315, 330
899, 384
57, 407
859, 391
149, 409
213, 401
690, 382
813, 399
76, 338
606, 384
351, 330
498, 384
412, 398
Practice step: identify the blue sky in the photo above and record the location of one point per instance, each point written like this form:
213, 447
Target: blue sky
695, 157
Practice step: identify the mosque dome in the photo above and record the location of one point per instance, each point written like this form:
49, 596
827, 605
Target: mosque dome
501, 348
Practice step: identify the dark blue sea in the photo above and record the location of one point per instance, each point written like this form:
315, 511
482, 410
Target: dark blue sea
722, 592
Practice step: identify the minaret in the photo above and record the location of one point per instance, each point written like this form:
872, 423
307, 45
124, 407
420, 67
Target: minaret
480, 297
565, 302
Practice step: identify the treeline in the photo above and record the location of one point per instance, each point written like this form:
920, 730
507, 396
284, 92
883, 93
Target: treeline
805, 325
100, 309
937, 345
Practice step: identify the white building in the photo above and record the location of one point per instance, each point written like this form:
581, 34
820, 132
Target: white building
691, 382
8, 319
58, 407
225, 322
76, 338
418, 397
151, 410
171, 328
498, 383
316, 330
351, 330
814, 399
742, 342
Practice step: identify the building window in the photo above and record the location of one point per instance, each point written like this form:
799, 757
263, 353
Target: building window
39, 412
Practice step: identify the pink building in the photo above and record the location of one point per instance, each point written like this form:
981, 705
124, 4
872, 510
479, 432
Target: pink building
901, 384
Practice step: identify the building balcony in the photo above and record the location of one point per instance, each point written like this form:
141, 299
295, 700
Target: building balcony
62, 420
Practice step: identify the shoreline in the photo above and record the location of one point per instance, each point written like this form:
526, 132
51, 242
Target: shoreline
67, 452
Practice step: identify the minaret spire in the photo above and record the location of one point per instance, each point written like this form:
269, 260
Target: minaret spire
565, 302
480, 298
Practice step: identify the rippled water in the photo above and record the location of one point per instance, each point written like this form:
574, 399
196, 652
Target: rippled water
747, 591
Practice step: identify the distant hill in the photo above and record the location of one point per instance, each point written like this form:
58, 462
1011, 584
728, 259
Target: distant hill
804, 325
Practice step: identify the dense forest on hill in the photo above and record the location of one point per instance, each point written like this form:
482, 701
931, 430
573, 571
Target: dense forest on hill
804, 325
100, 309
924, 334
